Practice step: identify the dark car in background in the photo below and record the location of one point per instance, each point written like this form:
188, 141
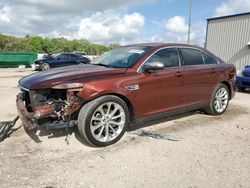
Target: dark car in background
80, 53
243, 79
126, 86
59, 60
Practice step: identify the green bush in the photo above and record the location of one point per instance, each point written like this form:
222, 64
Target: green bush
49, 45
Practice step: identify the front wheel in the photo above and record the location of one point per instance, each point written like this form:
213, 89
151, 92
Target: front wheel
219, 101
103, 121
45, 66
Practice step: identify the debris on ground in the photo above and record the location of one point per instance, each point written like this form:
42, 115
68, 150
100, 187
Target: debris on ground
158, 135
5, 128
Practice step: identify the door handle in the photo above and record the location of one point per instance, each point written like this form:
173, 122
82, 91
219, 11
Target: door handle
178, 74
213, 70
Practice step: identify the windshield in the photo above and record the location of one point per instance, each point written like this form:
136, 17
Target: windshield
124, 57
54, 55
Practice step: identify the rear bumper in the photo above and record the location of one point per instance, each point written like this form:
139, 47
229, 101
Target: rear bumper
24, 115
243, 82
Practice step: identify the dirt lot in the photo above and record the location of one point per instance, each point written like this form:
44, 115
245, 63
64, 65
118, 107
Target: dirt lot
214, 151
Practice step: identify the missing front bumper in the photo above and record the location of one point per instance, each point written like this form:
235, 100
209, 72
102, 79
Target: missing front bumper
24, 115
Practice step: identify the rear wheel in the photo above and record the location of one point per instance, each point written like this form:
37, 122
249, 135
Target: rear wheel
219, 102
45, 66
103, 121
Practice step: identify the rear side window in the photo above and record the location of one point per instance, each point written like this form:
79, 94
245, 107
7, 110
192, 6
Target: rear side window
191, 57
208, 59
73, 56
169, 57
63, 56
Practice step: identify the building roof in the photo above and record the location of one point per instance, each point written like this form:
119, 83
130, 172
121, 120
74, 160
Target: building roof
228, 16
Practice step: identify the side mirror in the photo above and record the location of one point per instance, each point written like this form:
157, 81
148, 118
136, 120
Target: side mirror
151, 66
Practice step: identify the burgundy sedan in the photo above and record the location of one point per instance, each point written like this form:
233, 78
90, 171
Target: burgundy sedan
127, 85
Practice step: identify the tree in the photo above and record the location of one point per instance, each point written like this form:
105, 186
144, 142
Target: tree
49, 45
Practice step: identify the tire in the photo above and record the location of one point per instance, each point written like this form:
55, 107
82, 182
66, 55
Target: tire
45, 66
103, 121
241, 89
219, 101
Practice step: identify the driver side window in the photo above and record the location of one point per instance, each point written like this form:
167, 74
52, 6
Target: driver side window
169, 57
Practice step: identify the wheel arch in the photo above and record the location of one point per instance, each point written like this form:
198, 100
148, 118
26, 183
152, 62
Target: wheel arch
128, 103
80, 61
228, 87
122, 97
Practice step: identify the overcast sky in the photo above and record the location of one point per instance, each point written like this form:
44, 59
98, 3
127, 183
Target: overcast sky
114, 21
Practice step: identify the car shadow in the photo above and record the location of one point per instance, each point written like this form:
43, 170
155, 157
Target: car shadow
63, 132
55, 133
163, 119
50, 133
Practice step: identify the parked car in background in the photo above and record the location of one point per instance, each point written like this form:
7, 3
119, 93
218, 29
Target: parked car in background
91, 57
243, 79
59, 60
81, 53
125, 86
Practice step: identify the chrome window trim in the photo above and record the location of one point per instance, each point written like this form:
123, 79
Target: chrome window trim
139, 69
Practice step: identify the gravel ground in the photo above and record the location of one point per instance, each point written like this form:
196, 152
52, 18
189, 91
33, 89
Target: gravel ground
214, 151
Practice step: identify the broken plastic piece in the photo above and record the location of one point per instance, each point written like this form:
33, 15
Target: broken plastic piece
5, 127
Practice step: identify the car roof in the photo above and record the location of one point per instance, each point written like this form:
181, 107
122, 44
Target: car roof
67, 53
163, 45
174, 45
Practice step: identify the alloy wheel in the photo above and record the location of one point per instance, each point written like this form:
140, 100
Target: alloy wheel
107, 122
45, 66
221, 100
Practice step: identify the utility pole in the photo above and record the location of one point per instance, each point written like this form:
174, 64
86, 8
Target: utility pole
189, 22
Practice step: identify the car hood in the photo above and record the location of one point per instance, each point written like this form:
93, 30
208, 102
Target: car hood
44, 60
70, 74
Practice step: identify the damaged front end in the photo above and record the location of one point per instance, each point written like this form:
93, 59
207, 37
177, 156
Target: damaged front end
53, 108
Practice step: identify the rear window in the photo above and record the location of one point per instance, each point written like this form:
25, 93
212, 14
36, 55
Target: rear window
191, 57
208, 59
62, 56
73, 56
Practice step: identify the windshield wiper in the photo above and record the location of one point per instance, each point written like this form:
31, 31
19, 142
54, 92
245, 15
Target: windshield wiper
100, 64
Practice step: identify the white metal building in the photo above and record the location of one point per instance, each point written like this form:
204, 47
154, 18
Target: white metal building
229, 38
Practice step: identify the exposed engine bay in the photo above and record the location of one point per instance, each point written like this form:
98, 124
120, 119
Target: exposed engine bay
54, 108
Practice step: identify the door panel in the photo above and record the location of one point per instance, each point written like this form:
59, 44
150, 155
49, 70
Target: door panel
199, 78
171, 89
73, 59
161, 90
198, 84
147, 98
61, 60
